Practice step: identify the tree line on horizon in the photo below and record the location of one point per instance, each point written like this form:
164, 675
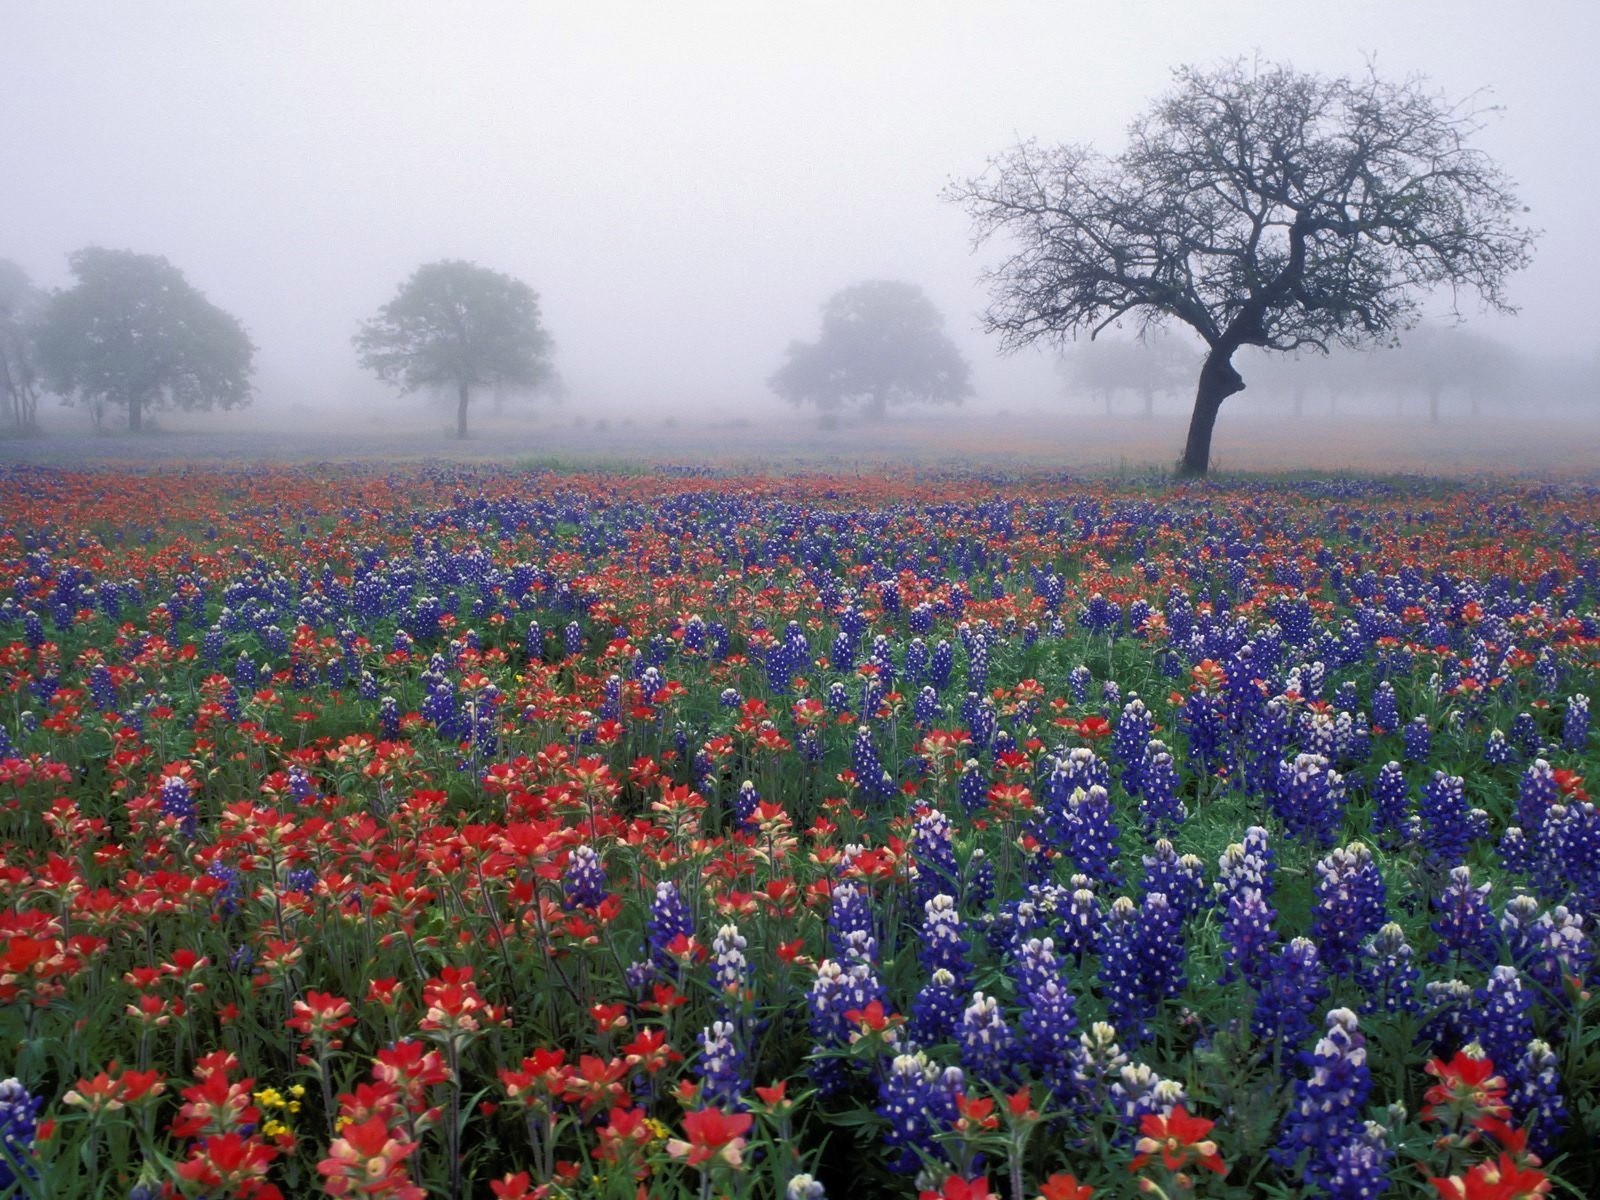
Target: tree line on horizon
1258, 207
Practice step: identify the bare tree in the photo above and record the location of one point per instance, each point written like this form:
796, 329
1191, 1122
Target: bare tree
1260, 206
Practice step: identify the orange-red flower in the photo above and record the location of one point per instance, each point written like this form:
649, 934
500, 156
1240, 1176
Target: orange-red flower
1501, 1178
1468, 1090
1180, 1140
369, 1161
955, 1187
712, 1135
1062, 1186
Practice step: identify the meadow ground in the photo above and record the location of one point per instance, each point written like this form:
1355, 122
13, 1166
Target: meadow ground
905, 810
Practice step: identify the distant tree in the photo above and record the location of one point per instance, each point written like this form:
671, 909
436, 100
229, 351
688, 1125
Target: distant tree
457, 325
20, 306
1146, 366
132, 331
1259, 206
882, 343
1434, 360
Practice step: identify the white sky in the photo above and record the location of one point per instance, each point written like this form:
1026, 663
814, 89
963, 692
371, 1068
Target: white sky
684, 183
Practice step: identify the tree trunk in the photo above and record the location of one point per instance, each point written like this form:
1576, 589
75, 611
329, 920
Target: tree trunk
1218, 381
135, 414
461, 411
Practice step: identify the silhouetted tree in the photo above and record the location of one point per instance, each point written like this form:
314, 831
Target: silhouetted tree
20, 307
457, 325
882, 343
132, 331
1260, 206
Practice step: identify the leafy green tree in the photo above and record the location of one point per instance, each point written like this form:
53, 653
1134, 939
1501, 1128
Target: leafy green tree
882, 343
20, 305
1260, 206
132, 331
457, 325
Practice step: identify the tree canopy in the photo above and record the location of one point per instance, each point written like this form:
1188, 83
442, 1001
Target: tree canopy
20, 306
1260, 206
457, 325
882, 343
132, 331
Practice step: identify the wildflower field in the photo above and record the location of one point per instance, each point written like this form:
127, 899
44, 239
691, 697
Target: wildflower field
461, 831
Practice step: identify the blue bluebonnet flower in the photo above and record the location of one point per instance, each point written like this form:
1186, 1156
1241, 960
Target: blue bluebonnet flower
1081, 923
1503, 1018
669, 918
1536, 1100
1524, 734
1250, 863
1292, 991
1391, 802
1497, 752
1417, 739
986, 1042
1309, 799
918, 1100
1092, 834
973, 788
1325, 1114
1387, 974
840, 987
389, 719
1203, 720
1465, 926
1181, 880
980, 888
1159, 806
1446, 818
1097, 1061
225, 901
1549, 946
1385, 709
1139, 1092
1121, 974
944, 945
937, 1009
934, 857
1048, 1019
1351, 903
1129, 741
1359, 1168
177, 801
873, 780
19, 1124
1575, 724
1249, 939
1078, 680
1449, 1025
1537, 790
926, 710
723, 1065
850, 913
730, 969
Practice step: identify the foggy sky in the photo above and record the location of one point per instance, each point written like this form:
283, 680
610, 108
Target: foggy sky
683, 183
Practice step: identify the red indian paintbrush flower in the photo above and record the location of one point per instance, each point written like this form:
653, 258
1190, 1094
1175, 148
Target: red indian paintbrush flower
1181, 1141
712, 1135
1501, 1178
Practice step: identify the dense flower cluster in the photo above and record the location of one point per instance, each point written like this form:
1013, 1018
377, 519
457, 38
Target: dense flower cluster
446, 830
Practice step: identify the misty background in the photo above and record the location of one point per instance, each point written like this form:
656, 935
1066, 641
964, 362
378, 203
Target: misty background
684, 185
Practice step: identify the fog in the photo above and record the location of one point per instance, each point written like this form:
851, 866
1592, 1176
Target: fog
685, 184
